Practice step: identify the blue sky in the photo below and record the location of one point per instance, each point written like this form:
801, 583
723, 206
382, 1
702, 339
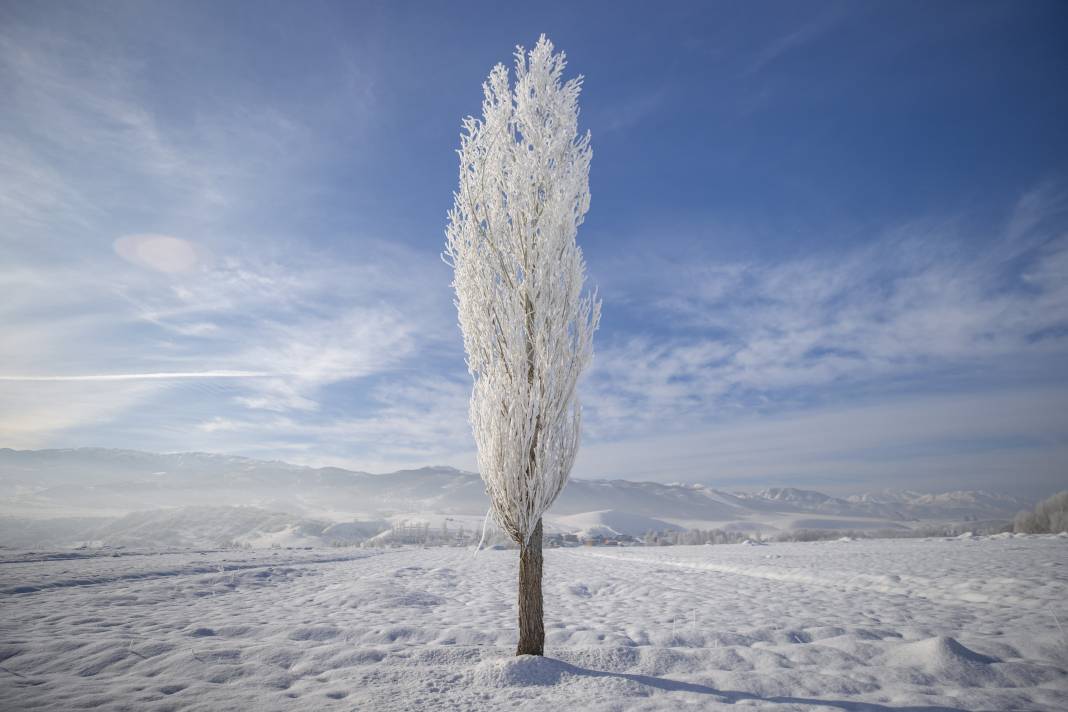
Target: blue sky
831, 238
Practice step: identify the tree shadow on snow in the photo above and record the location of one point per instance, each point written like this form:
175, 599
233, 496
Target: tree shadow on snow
730, 697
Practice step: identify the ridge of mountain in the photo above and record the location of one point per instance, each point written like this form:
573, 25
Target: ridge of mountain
113, 482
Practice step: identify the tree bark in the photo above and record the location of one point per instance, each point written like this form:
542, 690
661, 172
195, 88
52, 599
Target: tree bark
531, 620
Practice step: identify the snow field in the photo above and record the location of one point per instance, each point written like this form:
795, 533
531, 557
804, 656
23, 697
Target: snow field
903, 624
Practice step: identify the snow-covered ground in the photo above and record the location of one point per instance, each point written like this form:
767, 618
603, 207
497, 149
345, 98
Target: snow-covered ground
901, 624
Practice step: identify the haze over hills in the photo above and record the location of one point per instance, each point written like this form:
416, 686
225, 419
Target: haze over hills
193, 498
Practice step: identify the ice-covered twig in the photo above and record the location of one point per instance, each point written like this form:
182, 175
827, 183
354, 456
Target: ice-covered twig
484, 523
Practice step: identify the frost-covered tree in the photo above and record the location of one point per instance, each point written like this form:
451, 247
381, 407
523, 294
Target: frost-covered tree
526, 320
1050, 516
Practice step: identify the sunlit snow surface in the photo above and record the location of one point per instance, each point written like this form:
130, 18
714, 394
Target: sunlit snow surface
906, 624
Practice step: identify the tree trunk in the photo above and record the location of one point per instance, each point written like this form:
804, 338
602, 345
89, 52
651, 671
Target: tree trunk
531, 622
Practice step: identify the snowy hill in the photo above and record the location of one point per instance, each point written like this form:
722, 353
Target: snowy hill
969, 504
889, 504
127, 493
185, 527
609, 523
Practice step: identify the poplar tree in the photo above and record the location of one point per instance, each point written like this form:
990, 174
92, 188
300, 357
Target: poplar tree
526, 319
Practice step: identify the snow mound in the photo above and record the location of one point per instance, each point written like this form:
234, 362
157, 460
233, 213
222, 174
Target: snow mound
520, 671
946, 659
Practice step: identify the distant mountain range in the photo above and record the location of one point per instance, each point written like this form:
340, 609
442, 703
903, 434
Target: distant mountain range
894, 504
116, 485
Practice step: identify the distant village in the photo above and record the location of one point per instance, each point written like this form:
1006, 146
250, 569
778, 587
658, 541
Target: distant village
423, 534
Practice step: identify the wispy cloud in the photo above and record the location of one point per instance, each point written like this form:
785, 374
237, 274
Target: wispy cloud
32, 414
192, 261
82, 135
1003, 437
137, 376
149, 288
926, 309
409, 419
793, 40
281, 333
90, 140
632, 110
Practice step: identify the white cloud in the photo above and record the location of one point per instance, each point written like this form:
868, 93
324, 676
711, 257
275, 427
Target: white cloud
162, 253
